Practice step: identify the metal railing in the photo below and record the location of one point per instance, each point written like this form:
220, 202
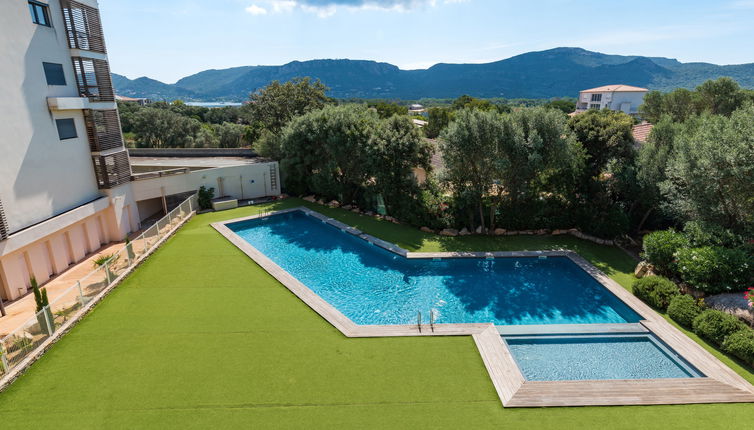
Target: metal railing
25, 339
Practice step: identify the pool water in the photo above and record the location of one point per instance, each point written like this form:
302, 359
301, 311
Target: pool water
556, 358
370, 285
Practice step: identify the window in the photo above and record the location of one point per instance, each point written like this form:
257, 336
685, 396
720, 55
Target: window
596, 97
54, 73
594, 106
66, 128
39, 13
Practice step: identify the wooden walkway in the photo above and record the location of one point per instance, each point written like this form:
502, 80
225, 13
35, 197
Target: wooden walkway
719, 385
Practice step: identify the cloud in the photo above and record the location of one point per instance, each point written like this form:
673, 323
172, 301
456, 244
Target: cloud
325, 8
256, 10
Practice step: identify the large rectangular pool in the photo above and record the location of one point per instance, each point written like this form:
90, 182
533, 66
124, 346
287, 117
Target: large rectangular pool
370, 285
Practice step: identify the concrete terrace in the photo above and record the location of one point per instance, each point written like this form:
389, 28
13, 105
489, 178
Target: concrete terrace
201, 337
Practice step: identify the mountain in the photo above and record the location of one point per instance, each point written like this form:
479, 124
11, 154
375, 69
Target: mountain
559, 72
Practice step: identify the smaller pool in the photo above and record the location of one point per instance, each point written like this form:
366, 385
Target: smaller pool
595, 357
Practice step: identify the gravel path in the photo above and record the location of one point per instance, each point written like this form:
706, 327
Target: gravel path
733, 303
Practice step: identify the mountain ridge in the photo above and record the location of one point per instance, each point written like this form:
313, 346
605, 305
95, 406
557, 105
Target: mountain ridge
558, 72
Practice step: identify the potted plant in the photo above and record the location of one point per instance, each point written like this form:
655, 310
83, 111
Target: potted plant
43, 308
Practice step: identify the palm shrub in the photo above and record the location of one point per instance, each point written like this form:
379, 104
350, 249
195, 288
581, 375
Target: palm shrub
714, 269
660, 248
741, 345
683, 309
716, 325
106, 260
656, 291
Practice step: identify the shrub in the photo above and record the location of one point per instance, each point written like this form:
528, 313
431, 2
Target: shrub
700, 233
656, 291
741, 344
714, 269
683, 309
716, 326
661, 246
205, 197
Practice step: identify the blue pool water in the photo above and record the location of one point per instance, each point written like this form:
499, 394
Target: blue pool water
373, 286
553, 358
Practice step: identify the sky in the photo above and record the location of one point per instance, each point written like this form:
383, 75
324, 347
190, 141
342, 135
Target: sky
170, 39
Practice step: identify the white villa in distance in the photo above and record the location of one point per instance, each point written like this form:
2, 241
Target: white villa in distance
624, 98
67, 186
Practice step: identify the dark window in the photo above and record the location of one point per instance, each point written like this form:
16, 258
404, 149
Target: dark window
596, 97
54, 74
66, 128
39, 13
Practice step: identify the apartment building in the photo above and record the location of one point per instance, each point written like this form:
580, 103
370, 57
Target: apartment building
624, 98
66, 184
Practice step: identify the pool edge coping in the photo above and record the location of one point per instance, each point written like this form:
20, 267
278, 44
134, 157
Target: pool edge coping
720, 384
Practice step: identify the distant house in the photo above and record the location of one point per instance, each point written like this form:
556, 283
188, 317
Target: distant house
417, 109
624, 98
140, 101
419, 123
641, 132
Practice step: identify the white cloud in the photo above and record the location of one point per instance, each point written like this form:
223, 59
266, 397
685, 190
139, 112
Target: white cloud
256, 10
325, 8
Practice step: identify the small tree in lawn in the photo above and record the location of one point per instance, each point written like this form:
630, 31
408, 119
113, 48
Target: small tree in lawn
43, 307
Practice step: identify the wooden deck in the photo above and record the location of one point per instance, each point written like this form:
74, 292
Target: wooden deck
720, 384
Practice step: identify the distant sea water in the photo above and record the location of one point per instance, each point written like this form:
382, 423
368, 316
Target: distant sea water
213, 104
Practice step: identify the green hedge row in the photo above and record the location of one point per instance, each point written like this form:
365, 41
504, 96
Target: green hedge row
724, 330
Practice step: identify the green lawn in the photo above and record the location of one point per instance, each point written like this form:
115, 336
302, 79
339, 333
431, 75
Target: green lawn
201, 337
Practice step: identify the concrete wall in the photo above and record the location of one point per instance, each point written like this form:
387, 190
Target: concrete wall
631, 100
241, 182
191, 152
40, 175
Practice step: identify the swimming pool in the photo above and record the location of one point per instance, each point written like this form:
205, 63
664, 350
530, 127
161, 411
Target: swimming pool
596, 357
372, 286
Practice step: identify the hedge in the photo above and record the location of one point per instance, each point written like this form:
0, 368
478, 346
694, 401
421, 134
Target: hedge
716, 325
683, 309
714, 269
741, 344
656, 291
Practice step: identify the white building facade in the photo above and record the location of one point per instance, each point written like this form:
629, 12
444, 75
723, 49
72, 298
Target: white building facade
624, 98
66, 184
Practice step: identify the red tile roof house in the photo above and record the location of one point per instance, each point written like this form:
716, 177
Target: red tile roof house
623, 98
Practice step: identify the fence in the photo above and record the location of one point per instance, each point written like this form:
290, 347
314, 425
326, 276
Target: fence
24, 340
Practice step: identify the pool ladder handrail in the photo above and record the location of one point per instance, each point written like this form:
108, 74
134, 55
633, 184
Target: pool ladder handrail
432, 319
419, 320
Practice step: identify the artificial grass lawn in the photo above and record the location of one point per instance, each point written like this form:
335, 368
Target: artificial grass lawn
200, 337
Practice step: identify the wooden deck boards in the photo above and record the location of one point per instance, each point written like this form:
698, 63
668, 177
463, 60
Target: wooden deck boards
721, 384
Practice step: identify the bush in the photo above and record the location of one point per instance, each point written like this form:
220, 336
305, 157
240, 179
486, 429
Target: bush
205, 197
714, 269
683, 309
741, 344
700, 233
716, 326
660, 247
656, 291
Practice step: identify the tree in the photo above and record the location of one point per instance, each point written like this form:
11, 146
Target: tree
439, 118
652, 161
563, 105
710, 175
720, 97
468, 102
230, 135
468, 147
276, 104
161, 128
606, 135
386, 110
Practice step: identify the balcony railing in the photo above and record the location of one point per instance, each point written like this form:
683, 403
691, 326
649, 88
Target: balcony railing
83, 26
3, 224
93, 79
103, 129
112, 170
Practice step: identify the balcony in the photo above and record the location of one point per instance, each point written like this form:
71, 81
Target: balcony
93, 79
83, 26
112, 169
103, 130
